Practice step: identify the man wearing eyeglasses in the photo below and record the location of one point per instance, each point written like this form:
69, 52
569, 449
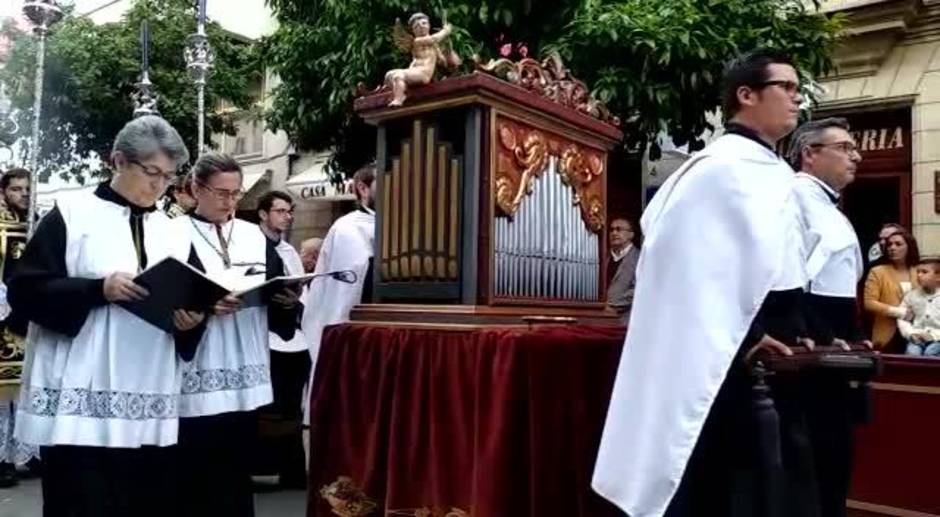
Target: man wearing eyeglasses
722, 254
827, 158
282, 452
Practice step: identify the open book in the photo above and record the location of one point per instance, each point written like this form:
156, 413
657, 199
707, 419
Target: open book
177, 285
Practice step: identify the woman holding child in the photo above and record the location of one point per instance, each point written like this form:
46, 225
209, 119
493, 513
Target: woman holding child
886, 286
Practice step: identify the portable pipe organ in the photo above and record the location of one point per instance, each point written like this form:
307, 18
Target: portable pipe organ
491, 197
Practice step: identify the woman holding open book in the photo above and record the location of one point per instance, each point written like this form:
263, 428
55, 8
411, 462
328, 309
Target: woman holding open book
100, 385
229, 376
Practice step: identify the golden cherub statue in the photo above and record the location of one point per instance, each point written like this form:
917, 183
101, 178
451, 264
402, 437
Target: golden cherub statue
426, 52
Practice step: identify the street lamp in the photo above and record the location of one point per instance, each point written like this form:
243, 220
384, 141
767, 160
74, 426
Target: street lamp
43, 14
144, 97
198, 56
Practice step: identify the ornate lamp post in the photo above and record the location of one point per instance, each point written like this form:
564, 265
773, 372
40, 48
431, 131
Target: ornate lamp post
42, 14
198, 55
145, 98
8, 125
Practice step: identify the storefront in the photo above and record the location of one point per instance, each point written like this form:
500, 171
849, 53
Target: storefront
318, 201
882, 191
887, 84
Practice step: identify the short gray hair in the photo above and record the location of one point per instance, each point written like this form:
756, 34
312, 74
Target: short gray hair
145, 136
810, 134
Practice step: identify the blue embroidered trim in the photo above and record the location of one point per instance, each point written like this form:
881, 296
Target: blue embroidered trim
99, 404
221, 379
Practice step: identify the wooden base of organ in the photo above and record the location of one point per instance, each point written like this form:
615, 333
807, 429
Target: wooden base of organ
480, 315
491, 200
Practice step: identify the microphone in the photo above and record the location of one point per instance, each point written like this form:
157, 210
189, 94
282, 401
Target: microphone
347, 276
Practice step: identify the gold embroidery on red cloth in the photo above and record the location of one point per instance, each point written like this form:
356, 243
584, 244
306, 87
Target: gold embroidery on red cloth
346, 499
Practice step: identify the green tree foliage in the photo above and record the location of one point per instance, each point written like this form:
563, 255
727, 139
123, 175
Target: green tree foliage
656, 63
659, 64
90, 75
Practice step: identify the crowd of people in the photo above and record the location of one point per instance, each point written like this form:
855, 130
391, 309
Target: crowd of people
746, 254
127, 418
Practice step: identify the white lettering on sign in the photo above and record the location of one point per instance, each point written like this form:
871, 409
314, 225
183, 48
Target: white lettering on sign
879, 139
313, 191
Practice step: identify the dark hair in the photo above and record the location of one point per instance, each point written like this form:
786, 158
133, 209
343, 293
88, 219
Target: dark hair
183, 184
750, 70
930, 261
12, 174
896, 226
267, 200
913, 251
210, 164
366, 175
810, 134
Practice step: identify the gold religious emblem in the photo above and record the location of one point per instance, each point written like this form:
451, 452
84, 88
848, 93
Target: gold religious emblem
426, 49
12, 350
346, 499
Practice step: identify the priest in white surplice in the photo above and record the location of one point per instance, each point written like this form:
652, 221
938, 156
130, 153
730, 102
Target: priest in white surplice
101, 386
720, 276
827, 157
348, 245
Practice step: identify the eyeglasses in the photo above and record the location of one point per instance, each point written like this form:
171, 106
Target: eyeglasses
155, 172
791, 87
289, 211
845, 147
222, 195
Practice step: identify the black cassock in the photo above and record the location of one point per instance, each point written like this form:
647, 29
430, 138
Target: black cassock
732, 471
217, 451
745, 463
834, 404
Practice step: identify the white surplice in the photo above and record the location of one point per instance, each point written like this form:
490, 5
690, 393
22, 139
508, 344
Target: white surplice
348, 245
720, 234
115, 384
231, 369
834, 263
293, 266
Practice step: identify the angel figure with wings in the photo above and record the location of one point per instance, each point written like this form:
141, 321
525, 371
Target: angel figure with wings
426, 52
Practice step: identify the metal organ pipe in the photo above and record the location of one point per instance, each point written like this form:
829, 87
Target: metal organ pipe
545, 250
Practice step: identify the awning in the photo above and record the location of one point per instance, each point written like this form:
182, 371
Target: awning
251, 179
314, 184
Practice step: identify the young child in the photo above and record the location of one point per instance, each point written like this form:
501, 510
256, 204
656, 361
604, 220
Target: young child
923, 333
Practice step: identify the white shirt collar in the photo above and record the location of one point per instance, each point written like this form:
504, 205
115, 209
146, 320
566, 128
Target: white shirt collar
623, 253
831, 192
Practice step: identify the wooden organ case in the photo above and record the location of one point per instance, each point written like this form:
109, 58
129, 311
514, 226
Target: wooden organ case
491, 198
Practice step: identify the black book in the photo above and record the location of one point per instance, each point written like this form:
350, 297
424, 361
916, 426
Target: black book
177, 285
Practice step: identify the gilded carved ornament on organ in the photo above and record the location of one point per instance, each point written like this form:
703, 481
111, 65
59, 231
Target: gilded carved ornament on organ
524, 155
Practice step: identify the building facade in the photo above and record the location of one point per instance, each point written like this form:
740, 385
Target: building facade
887, 84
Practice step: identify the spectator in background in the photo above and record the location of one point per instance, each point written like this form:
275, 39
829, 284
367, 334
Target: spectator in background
282, 451
310, 252
885, 287
625, 244
182, 200
877, 250
14, 186
923, 333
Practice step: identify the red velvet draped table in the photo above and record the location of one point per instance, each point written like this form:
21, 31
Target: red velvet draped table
506, 422
491, 422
